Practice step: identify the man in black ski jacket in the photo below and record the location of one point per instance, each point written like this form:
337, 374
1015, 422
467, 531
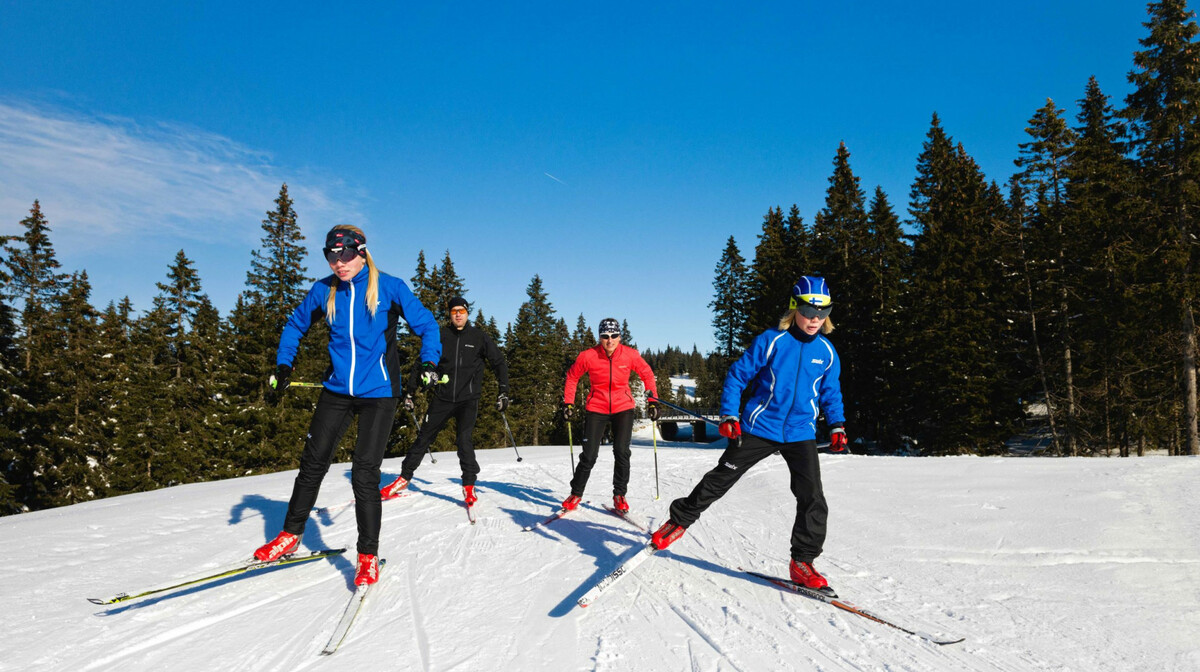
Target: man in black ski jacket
464, 349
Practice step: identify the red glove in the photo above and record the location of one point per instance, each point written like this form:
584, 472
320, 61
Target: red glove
837, 440
730, 428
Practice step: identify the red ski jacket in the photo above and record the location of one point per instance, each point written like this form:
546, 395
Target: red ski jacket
609, 378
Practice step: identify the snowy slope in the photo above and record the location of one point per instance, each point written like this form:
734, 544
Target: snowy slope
1042, 564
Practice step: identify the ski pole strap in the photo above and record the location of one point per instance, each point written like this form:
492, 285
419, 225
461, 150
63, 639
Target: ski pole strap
681, 409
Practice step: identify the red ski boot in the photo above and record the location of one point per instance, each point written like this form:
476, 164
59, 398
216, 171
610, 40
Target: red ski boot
394, 488
666, 535
620, 504
571, 502
278, 547
469, 495
806, 575
368, 570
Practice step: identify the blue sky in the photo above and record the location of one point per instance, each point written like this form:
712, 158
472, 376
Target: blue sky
611, 148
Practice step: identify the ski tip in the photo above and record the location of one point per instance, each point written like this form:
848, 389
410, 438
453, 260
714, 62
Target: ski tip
96, 600
944, 642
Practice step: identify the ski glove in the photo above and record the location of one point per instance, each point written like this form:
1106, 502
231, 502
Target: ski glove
730, 428
429, 376
408, 403
568, 412
837, 440
502, 403
281, 379
652, 410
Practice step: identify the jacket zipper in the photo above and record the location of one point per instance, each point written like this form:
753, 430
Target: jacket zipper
352, 354
457, 359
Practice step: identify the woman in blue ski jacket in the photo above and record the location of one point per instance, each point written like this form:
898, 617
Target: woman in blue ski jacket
361, 306
793, 374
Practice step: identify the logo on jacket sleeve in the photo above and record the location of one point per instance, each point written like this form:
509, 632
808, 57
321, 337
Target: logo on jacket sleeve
817, 361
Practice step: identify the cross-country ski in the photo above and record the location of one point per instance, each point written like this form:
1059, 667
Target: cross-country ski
828, 597
222, 573
350, 613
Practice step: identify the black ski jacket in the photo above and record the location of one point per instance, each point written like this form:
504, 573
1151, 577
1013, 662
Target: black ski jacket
463, 353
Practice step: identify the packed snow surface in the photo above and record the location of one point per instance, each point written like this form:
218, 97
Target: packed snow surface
1041, 564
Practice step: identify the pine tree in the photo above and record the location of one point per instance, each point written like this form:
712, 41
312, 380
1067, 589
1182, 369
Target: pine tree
11, 402
74, 449
266, 436
779, 259
729, 300
444, 285
1164, 114
886, 269
1102, 207
957, 382
276, 279
535, 348
35, 280
36, 283
1042, 161
840, 242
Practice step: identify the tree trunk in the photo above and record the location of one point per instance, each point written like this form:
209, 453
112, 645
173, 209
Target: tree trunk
1192, 447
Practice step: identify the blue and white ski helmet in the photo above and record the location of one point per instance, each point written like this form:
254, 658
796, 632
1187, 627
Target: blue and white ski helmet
811, 297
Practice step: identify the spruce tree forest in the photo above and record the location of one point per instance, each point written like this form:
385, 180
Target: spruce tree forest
1060, 303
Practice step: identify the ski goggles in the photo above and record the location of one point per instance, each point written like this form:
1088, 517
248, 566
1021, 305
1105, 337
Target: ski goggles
810, 310
345, 253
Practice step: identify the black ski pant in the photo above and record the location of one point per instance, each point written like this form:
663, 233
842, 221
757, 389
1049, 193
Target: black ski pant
464, 413
593, 431
808, 532
330, 421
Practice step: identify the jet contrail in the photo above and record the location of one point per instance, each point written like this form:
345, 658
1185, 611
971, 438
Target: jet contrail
554, 178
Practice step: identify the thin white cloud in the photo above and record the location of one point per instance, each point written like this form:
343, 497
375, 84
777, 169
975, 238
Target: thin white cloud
105, 178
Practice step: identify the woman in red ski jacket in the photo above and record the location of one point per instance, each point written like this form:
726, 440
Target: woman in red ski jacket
608, 367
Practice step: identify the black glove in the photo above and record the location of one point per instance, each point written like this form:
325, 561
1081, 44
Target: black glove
408, 402
652, 410
281, 379
568, 412
502, 403
429, 376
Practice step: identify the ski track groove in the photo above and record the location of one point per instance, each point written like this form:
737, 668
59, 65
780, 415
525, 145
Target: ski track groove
419, 634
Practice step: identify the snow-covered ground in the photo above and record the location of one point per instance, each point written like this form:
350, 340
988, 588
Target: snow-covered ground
689, 387
1041, 564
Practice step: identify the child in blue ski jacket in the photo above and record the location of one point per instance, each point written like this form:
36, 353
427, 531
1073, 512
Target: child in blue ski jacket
361, 306
793, 374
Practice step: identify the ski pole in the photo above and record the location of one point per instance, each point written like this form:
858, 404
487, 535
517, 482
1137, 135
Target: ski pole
429, 448
298, 383
510, 436
685, 411
571, 443
654, 438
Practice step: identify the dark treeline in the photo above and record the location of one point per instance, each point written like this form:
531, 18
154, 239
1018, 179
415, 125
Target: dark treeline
1068, 293
104, 402
1064, 299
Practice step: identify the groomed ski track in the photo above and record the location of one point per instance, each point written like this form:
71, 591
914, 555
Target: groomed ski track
1042, 564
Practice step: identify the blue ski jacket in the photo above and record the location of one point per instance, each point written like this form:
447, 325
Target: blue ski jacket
364, 361
791, 373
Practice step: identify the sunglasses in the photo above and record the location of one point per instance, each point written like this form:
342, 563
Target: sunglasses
458, 311
342, 254
605, 337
